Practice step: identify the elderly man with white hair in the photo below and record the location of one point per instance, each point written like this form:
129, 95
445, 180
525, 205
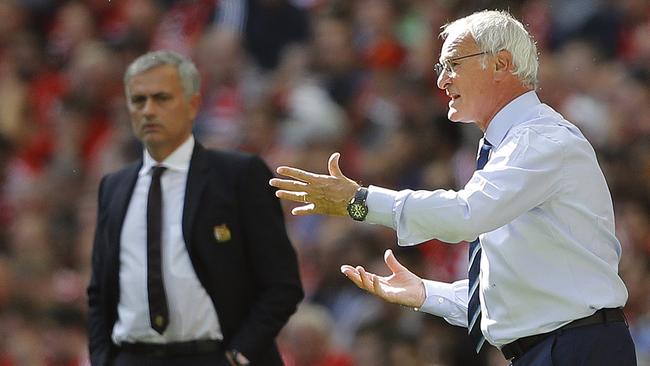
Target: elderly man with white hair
543, 283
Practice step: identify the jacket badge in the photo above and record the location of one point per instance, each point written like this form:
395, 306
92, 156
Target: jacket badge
222, 233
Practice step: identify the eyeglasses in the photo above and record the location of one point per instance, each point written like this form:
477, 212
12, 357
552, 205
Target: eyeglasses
447, 66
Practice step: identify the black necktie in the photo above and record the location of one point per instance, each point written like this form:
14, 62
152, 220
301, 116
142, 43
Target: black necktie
158, 310
474, 303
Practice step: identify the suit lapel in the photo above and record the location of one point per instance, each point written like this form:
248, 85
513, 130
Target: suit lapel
196, 182
119, 198
120, 203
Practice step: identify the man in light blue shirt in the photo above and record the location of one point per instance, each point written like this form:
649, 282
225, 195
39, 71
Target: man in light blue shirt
543, 264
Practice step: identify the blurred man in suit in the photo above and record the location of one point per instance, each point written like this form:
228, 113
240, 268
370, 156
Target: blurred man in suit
191, 262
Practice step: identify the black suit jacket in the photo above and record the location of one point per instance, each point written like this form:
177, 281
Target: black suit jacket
252, 278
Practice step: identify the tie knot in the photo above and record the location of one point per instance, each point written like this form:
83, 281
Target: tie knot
157, 171
483, 155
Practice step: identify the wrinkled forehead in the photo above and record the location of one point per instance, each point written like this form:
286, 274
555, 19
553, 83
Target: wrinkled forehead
457, 44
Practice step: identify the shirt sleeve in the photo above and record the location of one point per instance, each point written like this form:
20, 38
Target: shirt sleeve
231, 14
446, 300
522, 173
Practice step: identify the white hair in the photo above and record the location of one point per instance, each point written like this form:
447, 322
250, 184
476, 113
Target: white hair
190, 78
494, 31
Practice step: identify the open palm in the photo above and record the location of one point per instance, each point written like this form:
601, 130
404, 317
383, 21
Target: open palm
401, 287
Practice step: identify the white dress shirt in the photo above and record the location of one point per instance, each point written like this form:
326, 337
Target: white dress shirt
192, 314
544, 215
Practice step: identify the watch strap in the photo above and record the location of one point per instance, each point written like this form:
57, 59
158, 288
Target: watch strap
361, 195
357, 208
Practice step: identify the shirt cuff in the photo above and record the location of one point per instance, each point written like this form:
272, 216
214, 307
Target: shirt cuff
380, 203
439, 299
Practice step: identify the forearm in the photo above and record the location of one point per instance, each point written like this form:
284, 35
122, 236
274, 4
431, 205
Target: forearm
418, 216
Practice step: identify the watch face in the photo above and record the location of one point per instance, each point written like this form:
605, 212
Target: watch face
357, 211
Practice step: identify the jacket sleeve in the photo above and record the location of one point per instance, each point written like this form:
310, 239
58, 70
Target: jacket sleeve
98, 333
273, 261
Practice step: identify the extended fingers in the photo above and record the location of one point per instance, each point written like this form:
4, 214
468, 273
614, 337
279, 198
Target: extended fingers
307, 209
359, 276
299, 174
366, 279
291, 190
351, 273
372, 283
288, 184
292, 196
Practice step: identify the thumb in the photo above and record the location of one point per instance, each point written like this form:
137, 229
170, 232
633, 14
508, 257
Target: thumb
333, 165
392, 262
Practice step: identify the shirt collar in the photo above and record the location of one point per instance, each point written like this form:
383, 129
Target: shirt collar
179, 160
512, 114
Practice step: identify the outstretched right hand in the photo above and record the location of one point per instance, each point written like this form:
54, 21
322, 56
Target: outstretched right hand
321, 194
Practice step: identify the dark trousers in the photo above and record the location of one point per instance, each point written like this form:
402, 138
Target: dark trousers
594, 345
208, 359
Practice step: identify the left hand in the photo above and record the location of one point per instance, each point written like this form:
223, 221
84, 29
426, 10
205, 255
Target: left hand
402, 287
236, 359
321, 194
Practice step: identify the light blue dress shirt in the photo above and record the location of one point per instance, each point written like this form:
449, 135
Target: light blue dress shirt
544, 215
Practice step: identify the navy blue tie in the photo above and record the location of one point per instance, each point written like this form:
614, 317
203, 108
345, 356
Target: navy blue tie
474, 304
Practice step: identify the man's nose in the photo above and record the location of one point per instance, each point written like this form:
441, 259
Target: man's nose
443, 80
149, 108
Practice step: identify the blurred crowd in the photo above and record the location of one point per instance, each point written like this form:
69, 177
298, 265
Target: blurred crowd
294, 81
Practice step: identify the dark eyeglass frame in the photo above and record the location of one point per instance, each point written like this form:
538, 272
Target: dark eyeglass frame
445, 66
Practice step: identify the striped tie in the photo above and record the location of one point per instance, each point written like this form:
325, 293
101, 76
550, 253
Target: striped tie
474, 304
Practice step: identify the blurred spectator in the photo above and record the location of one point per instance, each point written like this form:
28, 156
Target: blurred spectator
369, 347
65, 333
307, 339
230, 85
182, 25
271, 26
5, 208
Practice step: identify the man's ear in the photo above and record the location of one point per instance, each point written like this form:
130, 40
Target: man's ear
195, 103
503, 65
